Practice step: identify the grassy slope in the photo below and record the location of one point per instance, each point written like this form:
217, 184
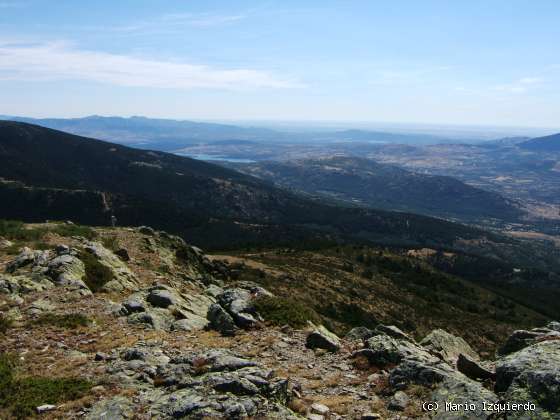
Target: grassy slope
352, 285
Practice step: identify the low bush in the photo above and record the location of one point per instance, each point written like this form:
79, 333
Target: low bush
282, 311
14, 230
19, 397
69, 321
5, 323
111, 242
74, 230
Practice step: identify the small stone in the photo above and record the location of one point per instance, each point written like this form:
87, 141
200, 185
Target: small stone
45, 407
161, 298
321, 338
370, 416
320, 409
399, 401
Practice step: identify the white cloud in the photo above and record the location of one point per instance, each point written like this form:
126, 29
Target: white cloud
58, 61
530, 80
522, 85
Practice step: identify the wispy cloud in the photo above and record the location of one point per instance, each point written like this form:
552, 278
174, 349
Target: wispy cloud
522, 85
175, 22
59, 61
407, 76
201, 20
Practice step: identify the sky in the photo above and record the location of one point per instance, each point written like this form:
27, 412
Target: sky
490, 62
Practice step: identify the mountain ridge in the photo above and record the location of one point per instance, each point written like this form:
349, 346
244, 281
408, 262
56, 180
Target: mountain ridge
543, 144
366, 182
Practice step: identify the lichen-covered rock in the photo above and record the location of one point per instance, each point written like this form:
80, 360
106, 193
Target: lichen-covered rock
461, 390
123, 278
359, 334
67, 270
4, 243
532, 374
165, 308
399, 401
155, 318
24, 258
392, 331
116, 408
22, 284
321, 338
382, 350
213, 384
520, 339
447, 346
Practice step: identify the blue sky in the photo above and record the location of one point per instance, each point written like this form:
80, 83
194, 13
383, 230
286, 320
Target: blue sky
487, 62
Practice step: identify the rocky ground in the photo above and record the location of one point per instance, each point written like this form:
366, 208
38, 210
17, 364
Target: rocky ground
156, 329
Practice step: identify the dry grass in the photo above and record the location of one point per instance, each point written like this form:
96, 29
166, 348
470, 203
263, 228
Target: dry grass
339, 404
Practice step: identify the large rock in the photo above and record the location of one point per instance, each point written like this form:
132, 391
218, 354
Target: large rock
532, 374
359, 334
220, 320
239, 303
447, 346
163, 307
67, 270
383, 350
392, 331
156, 318
521, 338
26, 257
321, 338
163, 298
123, 278
473, 369
462, 391
22, 284
213, 384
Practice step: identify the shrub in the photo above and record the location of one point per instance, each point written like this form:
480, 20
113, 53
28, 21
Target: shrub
111, 242
14, 230
74, 230
97, 275
20, 397
64, 321
282, 311
5, 323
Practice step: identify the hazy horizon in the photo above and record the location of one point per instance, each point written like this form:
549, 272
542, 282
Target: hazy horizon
395, 62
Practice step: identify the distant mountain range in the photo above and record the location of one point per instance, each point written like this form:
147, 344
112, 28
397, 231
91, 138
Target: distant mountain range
543, 144
368, 183
49, 174
168, 135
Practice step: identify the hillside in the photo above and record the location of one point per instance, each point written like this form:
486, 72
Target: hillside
368, 183
135, 323
543, 144
62, 176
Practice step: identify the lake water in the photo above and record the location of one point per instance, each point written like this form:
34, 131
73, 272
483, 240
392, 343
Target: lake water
216, 157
